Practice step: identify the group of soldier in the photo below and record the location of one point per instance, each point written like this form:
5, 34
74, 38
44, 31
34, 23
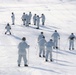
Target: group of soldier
45, 47
26, 18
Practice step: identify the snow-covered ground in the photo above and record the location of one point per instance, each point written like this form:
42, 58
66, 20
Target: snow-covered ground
59, 15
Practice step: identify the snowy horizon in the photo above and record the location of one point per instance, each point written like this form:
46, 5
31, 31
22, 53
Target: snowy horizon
36, 1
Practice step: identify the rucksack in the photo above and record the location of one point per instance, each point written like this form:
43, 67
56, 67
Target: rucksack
72, 38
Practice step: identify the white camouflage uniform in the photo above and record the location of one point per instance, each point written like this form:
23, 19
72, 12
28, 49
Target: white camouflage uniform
34, 19
43, 19
55, 37
8, 28
23, 18
49, 46
42, 43
13, 19
71, 41
22, 52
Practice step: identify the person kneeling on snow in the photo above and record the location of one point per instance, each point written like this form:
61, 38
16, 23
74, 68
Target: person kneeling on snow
71, 41
8, 28
49, 47
22, 51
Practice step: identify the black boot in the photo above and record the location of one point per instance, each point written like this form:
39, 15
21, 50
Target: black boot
46, 60
10, 33
39, 55
72, 48
69, 49
18, 65
12, 23
37, 28
43, 55
5, 32
51, 60
26, 65
56, 47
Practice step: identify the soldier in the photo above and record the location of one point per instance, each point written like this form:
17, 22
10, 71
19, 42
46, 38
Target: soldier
8, 28
43, 19
42, 43
71, 41
30, 15
49, 46
34, 19
40, 36
23, 18
13, 18
56, 38
22, 51
38, 21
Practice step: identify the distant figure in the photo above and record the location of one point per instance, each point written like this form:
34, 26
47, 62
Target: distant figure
34, 19
8, 28
56, 38
38, 21
22, 52
43, 19
13, 18
40, 36
27, 20
23, 18
30, 15
49, 47
71, 41
42, 43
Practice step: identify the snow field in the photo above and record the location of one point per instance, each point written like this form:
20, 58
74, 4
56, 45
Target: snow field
58, 16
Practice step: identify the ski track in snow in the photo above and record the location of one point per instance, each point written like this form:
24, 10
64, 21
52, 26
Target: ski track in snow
60, 16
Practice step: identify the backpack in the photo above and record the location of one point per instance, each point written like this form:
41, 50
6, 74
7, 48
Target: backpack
71, 38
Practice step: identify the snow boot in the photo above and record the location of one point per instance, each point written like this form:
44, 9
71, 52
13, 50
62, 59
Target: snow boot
18, 65
51, 60
72, 48
26, 65
46, 60
43, 55
37, 28
12, 23
39, 55
5, 32
10, 33
56, 47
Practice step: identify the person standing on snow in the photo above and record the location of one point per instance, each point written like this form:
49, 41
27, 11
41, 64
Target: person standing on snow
30, 15
8, 28
71, 41
38, 21
56, 38
49, 46
23, 18
43, 19
22, 52
13, 18
42, 43
34, 19
27, 20
41, 36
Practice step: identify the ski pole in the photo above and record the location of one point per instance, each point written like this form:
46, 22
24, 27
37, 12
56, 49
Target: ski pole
56, 55
28, 55
59, 43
